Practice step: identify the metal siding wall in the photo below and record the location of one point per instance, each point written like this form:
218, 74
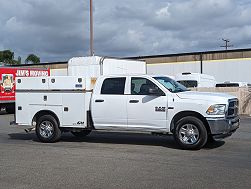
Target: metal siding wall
222, 70
229, 70
59, 72
173, 68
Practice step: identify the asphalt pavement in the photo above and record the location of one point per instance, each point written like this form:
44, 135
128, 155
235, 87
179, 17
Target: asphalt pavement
121, 160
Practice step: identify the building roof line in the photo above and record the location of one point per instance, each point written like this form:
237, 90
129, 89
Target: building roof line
189, 53
148, 56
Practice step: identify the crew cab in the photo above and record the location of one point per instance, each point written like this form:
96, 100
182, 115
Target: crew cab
130, 102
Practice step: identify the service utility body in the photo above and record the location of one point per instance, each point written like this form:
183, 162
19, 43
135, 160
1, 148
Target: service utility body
7, 84
117, 95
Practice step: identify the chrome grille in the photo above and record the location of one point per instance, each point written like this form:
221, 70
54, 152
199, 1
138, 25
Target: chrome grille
233, 108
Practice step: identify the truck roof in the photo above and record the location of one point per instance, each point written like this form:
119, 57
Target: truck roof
136, 75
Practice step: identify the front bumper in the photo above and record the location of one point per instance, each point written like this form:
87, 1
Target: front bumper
223, 127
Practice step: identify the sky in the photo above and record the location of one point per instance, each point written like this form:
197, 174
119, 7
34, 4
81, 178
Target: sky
57, 30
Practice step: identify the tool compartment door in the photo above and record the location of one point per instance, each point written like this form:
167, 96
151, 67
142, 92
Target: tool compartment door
74, 112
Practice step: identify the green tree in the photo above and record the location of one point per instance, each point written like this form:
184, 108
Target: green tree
33, 59
19, 60
7, 57
1, 56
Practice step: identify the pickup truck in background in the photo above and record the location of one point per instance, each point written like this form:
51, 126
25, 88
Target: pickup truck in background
7, 84
123, 102
233, 84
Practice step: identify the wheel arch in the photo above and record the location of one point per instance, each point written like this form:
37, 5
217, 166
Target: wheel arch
182, 114
45, 112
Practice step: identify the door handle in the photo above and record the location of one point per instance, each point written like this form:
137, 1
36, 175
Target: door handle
99, 100
133, 101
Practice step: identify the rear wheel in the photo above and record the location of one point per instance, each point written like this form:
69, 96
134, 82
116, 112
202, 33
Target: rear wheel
190, 133
47, 129
81, 134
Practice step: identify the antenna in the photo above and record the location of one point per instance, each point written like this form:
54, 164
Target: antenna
227, 41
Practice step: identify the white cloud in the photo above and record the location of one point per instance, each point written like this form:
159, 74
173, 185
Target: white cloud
163, 12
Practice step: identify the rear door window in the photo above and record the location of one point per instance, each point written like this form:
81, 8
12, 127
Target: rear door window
113, 86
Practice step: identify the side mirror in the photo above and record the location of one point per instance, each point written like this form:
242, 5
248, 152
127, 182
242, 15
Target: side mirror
155, 92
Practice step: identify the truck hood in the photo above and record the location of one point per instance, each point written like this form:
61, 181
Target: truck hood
208, 96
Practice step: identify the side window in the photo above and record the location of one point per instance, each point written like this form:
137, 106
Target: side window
141, 86
113, 86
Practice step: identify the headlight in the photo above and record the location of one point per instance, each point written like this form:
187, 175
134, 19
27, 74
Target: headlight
217, 109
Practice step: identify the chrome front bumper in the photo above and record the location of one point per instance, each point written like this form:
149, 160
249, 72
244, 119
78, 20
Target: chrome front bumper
223, 127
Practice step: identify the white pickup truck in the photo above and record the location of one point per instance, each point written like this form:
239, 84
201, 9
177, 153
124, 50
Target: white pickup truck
138, 103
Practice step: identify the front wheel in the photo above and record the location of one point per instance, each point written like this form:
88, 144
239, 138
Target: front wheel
47, 129
190, 133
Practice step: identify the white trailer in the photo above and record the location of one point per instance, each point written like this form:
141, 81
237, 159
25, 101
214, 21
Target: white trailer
191, 80
95, 66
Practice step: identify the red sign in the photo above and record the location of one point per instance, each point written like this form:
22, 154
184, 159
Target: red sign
7, 80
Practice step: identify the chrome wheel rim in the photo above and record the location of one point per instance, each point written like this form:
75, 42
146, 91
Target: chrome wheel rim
46, 129
189, 134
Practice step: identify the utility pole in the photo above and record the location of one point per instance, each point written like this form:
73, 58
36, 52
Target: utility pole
91, 29
227, 41
201, 63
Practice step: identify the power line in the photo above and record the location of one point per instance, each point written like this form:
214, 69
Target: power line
227, 41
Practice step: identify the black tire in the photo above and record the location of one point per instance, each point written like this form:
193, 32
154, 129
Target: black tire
81, 134
190, 133
47, 129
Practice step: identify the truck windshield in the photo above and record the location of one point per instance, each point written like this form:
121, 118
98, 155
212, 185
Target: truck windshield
170, 84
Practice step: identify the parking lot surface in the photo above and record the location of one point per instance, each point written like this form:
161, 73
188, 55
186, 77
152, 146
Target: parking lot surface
121, 160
